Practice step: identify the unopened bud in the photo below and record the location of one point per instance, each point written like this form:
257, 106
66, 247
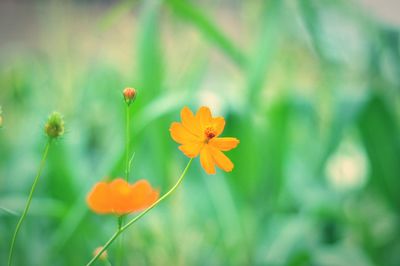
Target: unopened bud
54, 127
129, 95
103, 256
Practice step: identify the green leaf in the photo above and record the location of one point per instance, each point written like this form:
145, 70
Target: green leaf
209, 29
380, 135
150, 58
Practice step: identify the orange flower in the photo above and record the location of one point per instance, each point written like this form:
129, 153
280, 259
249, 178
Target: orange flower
103, 256
119, 197
198, 134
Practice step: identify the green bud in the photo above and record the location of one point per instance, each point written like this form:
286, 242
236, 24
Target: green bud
54, 127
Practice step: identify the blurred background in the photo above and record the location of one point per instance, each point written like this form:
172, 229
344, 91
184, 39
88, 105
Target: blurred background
311, 89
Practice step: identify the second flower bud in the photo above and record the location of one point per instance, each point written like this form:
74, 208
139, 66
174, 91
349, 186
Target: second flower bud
129, 95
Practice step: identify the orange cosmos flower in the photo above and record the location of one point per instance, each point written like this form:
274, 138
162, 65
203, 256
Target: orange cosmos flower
119, 197
198, 134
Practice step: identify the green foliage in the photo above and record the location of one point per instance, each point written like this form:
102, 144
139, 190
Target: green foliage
310, 89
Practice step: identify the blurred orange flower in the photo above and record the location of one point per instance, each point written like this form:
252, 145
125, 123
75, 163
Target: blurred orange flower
119, 197
198, 134
103, 256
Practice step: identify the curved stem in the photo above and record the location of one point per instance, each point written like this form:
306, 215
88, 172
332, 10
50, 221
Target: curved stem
135, 219
28, 203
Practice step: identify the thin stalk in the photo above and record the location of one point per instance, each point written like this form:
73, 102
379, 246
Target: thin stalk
127, 170
135, 219
127, 142
28, 203
120, 243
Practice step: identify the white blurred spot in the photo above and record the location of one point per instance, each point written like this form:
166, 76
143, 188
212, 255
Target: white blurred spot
347, 167
212, 100
386, 11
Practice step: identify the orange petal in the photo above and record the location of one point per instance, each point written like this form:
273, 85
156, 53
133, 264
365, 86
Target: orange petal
180, 134
203, 117
224, 144
221, 160
218, 123
189, 122
207, 160
191, 150
143, 195
121, 196
99, 199
120, 186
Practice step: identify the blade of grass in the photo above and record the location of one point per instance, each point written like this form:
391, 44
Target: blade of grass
381, 139
116, 12
208, 28
150, 58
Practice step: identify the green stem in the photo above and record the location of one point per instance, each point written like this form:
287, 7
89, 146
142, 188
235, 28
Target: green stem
135, 219
127, 142
127, 170
28, 203
120, 243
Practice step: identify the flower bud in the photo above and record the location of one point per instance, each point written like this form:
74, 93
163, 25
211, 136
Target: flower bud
129, 95
54, 127
103, 256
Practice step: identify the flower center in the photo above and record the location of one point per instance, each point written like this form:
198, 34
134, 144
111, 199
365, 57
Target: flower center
209, 133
